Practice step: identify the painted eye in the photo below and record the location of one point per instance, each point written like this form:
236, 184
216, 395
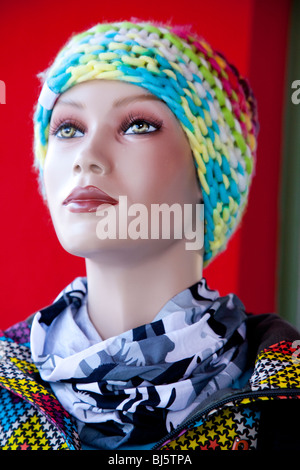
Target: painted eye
140, 127
68, 131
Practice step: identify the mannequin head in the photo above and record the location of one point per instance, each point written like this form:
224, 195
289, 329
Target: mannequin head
121, 139
212, 103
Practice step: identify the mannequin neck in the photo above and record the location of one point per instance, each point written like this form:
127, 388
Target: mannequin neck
129, 293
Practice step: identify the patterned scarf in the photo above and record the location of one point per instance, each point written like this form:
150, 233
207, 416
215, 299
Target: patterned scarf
136, 387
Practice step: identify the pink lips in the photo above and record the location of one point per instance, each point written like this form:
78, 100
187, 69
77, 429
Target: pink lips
87, 199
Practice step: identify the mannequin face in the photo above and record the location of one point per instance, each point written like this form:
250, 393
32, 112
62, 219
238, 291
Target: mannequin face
121, 139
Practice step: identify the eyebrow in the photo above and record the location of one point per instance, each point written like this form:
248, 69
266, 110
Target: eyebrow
130, 99
69, 102
116, 103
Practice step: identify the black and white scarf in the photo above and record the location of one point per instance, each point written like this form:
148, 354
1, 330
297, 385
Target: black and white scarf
135, 387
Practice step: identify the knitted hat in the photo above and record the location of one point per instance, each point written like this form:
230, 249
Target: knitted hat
212, 102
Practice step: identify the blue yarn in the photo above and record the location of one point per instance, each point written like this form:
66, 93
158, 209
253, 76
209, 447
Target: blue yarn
127, 70
71, 61
105, 41
131, 42
44, 118
213, 197
121, 52
207, 204
215, 127
154, 89
209, 172
56, 83
169, 90
175, 85
223, 193
197, 79
39, 113
147, 76
200, 112
234, 189
204, 104
240, 169
217, 171
85, 40
225, 166
211, 134
207, 254
209, 96
162, 61
181, 80
98, 51
179, 114
111, 34
192, 105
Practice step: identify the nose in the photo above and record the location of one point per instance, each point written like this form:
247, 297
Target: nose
93, 156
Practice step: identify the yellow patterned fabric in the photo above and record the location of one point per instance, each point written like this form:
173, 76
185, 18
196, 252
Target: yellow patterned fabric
230, 428
277, 367
31, 417
235, 424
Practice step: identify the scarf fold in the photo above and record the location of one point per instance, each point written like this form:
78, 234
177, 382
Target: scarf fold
136, 387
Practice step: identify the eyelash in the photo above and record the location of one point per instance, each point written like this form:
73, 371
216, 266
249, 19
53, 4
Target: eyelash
59, 124
129, 121
132, 119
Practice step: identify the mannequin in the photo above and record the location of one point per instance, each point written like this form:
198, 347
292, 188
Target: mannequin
122, 275
141, 353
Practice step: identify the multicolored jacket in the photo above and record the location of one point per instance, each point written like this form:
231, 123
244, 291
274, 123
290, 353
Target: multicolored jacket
262, 415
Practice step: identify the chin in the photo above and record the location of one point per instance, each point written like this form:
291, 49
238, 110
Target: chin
97, 249
116, 252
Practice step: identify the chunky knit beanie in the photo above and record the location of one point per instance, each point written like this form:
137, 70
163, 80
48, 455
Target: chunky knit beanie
212, 102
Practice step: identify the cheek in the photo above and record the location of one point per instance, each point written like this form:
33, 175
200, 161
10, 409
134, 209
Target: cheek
172, 169
158, 170
55, 172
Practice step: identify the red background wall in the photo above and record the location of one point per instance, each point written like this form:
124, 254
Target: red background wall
251, 33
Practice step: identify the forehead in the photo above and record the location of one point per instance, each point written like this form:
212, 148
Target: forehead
113, 92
